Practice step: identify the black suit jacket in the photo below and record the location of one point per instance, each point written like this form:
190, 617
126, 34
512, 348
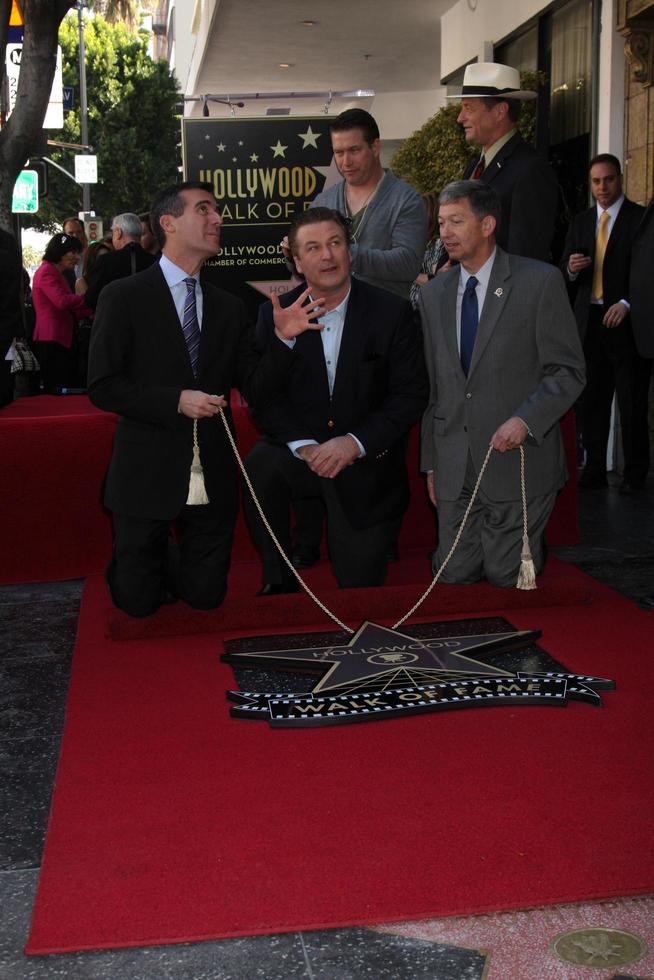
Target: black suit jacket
138, 367
116, 265
641, 284
380, 390
530, 197
617, 260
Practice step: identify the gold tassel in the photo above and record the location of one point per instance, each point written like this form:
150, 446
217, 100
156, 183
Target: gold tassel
197, 493
527, 573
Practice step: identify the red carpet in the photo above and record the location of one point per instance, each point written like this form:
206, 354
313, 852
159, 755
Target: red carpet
172, 822
560, 585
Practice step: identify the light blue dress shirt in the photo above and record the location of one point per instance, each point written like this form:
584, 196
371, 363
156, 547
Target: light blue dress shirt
483, 278
175, 277
331, 336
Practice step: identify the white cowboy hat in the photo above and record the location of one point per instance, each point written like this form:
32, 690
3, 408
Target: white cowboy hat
487, 80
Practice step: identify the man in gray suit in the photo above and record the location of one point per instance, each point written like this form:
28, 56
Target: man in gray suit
505, 363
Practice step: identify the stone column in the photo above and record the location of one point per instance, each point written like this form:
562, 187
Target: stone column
635, 21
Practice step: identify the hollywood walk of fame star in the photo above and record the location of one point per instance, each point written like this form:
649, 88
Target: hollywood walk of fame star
377, 657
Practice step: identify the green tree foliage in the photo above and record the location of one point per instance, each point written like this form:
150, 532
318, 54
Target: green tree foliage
132, 123
437, 153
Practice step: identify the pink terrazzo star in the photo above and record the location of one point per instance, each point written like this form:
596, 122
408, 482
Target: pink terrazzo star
517, 943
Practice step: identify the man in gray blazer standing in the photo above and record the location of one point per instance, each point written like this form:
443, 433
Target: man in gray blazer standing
505, 364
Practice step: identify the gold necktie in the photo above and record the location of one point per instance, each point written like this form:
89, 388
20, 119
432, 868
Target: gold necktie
600, 251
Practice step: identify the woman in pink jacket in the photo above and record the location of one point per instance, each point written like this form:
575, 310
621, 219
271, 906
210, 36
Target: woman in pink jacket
57, 308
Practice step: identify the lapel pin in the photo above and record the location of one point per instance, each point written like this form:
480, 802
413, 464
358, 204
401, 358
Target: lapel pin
499, 291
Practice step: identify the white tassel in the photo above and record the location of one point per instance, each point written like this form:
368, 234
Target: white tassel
527, 573
197, 493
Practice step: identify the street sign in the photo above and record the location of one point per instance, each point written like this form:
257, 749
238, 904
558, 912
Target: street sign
69, 98
54, 115
15, 32
25, 199
86, 168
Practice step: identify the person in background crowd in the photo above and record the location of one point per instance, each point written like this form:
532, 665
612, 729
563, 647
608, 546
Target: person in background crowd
11, 321
596, 262
388, 219
491, 99
148, 241
434, 252
94, 252
127, 258
505, 364
75, 228
57, 308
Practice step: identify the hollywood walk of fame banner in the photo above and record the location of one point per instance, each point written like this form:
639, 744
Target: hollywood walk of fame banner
263, 172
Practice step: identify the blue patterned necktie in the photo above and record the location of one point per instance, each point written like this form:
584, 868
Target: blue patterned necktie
190, 325
469, 321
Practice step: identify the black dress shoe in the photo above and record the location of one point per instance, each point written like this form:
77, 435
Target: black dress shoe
276, 588
304, 558
629, 487
592, 480
647, 602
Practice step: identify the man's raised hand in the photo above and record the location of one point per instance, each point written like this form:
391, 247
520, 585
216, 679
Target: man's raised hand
290, 321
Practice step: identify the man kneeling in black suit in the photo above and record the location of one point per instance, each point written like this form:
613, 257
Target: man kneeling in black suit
166, 348
337, 426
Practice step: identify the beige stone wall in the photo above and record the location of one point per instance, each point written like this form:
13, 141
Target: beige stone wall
635, 21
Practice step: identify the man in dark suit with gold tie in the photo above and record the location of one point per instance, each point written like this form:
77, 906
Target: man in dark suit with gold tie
596, 262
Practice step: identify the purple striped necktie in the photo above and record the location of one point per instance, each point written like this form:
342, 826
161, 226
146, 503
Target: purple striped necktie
190, 325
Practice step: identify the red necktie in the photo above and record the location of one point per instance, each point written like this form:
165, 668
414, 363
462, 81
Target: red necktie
479, 169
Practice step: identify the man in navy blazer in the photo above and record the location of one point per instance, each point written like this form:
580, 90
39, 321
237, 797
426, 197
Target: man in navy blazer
613, 363
142, 368
337, 427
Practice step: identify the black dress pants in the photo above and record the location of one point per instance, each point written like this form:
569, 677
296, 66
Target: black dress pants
146, 563
614, 365
358, 555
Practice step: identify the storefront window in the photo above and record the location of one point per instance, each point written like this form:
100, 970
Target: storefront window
570, 88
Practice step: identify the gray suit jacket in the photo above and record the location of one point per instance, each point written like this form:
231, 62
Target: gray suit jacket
527, 361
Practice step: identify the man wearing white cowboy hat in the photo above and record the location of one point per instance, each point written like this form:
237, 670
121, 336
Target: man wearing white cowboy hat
491, 99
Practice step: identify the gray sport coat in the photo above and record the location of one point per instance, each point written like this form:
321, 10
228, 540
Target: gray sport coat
527, 361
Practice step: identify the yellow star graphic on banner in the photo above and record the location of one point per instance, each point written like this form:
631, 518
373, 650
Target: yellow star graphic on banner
220, 147
309, 138
254, 158
279, 150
